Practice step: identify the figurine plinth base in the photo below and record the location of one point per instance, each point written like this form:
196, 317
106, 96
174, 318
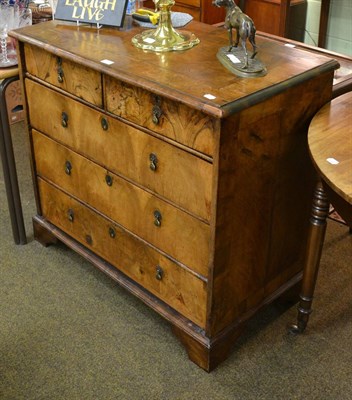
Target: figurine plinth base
154, 40
235, 62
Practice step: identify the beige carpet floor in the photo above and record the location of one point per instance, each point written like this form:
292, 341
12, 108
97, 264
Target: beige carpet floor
68, 332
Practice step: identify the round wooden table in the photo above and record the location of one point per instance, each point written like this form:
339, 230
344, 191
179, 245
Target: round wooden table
330, 145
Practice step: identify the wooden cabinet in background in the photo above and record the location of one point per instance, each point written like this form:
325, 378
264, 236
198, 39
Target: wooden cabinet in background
273, 16
201, 10
188, 185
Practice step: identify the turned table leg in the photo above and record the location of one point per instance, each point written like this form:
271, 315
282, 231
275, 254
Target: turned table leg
9, 167
317, 228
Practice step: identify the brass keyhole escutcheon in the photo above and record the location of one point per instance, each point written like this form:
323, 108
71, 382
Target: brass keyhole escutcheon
159, 273
157, 218
108, 179
104, 124
89, 239
68, 167
64, 119
153, 161
112, 232
70, 215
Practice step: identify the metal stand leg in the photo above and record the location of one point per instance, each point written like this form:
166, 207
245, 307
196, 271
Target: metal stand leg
316, 235
9, 168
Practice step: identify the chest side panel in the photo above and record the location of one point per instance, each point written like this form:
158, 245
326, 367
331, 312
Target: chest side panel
265, 183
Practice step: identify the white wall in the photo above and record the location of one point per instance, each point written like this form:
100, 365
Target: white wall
339, 31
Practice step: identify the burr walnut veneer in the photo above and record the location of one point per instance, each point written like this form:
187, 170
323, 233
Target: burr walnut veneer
189, 186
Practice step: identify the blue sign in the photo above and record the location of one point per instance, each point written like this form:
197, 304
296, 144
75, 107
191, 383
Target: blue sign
102, 12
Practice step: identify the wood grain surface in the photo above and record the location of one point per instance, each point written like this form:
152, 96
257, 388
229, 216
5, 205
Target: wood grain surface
235, 183
185, 76
125, 203
181, 289
78, 79
330, 144
124, 149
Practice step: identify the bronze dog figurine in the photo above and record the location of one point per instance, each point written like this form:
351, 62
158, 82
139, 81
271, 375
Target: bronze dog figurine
242, 23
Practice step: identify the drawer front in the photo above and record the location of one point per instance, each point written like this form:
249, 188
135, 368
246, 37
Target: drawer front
66, 75
179, 288
152, 163
183, 124
175, 232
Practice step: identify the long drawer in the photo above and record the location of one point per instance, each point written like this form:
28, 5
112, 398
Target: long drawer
179, 288
139, 211
64, 74
127, 151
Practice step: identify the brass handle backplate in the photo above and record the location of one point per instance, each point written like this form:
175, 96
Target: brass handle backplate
157, 218
60, 76
159, 273
153, 161
60, 71
64, 119
68, 167
104, 124
157, 112
70, 214
108, 179
89, 239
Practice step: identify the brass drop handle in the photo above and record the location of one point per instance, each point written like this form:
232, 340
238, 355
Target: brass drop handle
64, 119
153, 161
159, 273
104, 124
157, 218
70, 215
60, 71
112, 232
108, 179
68, 167
156, 114
89, 239
60, 75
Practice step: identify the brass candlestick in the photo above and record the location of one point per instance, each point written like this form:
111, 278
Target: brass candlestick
164, 37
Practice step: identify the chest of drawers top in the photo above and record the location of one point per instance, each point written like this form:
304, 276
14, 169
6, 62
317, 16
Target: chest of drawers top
187, 76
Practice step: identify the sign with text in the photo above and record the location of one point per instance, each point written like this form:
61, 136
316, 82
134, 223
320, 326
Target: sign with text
102, 12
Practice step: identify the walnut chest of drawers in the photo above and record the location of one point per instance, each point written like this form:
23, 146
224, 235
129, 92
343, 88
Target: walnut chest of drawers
189, 186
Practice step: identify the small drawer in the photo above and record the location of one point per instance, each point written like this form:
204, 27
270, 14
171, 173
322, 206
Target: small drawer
127, 151
170, 229
172, 119
179, 288
74, 78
